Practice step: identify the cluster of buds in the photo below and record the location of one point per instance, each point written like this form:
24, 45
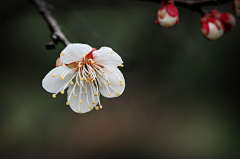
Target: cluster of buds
236, 7
167, 16
215, 24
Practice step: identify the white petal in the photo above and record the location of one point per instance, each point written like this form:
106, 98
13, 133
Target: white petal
87, 100
53, 84
106, 55
167, 21
74, 52
214, 33
114, 86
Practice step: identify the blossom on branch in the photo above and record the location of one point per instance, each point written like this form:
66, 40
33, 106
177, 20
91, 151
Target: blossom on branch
167, 16
86, 71
212, 28
226, 18
228, 21
236, 7
215, 24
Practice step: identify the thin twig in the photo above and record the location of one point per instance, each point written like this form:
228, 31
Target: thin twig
57, 35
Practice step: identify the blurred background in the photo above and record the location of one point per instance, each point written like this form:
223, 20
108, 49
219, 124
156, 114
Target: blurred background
182, 91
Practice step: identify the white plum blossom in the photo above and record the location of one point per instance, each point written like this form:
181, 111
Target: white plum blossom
86, 72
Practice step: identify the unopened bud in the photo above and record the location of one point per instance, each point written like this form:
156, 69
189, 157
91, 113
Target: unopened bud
228, 21
168, 15
212, 29
236, 7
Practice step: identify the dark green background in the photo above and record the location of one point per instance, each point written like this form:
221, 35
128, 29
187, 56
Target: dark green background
182, 91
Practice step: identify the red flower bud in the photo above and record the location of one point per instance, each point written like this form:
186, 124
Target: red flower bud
228, 21
212, 28
236, 7
168, 15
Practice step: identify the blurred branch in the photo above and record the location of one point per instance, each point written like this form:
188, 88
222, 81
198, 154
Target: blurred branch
188, 3
57, 35
195, 5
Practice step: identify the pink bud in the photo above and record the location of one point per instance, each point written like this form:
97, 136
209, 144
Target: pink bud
228, 21
59, 62
167, 16
212, 29
236, 7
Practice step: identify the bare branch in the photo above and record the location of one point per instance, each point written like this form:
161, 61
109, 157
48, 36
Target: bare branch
57, 35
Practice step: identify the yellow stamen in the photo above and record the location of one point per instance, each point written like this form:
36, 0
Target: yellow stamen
82, 93
67, 103
121, 84
79, 66
83, 55
121, 65
93, 102
90, 107
111, 52
54, 75
62, 92
85, 93
97, 108
62, 54
75, 96
84, 88
111, 71
54, 95
72, 83
109, 94
117, 93
81, 79
101, 86
101, 106
80, 112
92, 62
83, 85
96, 94
81, 101
120, 81
88, 85
78, 85
108, 83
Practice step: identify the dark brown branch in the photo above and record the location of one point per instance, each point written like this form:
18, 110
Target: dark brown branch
57, 35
